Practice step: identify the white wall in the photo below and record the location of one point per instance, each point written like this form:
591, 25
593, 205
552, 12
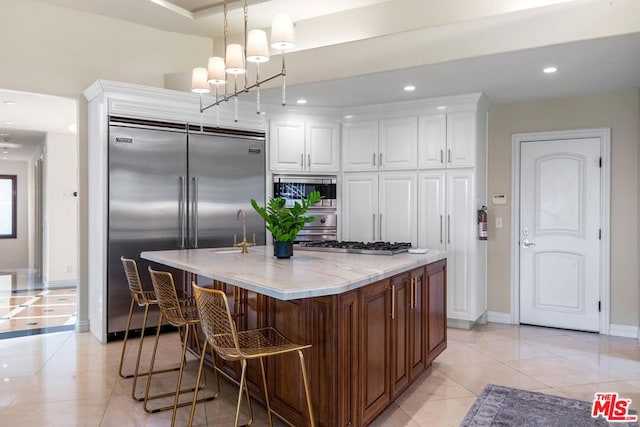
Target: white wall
61, 210
619, 111
14, 253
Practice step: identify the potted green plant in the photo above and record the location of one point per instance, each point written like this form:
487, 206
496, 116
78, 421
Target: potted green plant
284, 222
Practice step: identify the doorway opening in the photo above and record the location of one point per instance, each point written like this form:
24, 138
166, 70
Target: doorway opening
39, 264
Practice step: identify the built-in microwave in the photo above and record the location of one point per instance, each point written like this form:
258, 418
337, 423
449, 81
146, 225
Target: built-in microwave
294, 188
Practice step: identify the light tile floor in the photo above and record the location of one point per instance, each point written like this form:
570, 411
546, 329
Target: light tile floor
69, 379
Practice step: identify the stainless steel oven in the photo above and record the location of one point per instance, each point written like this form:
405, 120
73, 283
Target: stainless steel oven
294, 188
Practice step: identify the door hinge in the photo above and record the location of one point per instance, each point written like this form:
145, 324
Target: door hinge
600, 163
599, 306
599, 233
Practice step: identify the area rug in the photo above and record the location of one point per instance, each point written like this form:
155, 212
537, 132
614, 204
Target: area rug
500, 406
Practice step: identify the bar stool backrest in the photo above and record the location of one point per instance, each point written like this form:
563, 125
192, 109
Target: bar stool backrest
167, 297
133, 279
216, 322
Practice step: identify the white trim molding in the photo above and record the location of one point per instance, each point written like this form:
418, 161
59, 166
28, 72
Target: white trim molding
625, 331
604, 134
499, 317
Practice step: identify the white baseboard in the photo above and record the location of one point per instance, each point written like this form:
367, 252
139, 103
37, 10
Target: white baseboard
625, 331
60, 283
498, 317
82, 326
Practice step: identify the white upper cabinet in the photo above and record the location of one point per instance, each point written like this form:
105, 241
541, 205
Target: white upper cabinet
432, 140
461, 139
298, 146
388, 144
360, 146
447, 140
322, 147
398, 143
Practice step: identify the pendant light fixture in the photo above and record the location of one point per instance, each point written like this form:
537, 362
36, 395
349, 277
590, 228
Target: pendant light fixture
255, 50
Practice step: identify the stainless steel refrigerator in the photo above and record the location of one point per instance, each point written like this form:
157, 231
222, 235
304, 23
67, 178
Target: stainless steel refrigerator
175, 186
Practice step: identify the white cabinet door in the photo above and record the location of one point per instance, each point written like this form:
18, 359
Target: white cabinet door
432, 141
460, 238
461, 139
321, 147
360, 207
360, 146
431, 209
397, 217
286, 146
398, 143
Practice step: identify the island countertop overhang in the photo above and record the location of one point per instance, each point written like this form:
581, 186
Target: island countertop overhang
307, 274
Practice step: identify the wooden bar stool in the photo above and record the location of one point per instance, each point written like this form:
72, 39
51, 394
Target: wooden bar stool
141, 298
183, 314
231, 345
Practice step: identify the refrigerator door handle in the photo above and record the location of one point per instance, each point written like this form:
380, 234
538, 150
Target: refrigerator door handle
181, 211
194, 211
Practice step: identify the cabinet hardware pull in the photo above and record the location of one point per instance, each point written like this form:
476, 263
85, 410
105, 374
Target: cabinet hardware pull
195, 212
393, 301
380, 228
441, 155
373, 228
415, 290
374, 159
448, 228
441, 228
301, 160
449, 156
380, 159
309, 160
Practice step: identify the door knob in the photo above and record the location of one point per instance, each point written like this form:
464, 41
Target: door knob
526, 243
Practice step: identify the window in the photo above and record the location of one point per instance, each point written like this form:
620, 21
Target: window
8, 206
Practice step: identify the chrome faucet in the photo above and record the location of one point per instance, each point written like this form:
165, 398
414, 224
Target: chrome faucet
244, 244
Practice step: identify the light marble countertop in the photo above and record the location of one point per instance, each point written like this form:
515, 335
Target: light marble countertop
306, 274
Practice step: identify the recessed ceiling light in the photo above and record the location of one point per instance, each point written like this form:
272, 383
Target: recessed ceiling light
348, 116
72, 128
4, 158
549, 70
10, 102
8, 122
5, 151
441, 107
301, 101
409, 88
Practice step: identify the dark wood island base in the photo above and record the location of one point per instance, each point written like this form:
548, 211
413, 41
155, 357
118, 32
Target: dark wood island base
369, 344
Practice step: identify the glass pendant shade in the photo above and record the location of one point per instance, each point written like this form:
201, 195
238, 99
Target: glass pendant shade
216, 70
257, 47
235, 59
199, 83
282, 34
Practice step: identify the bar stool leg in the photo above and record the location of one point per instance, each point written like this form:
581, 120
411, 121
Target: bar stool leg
124, 343
306, 388
266, 393
243, 384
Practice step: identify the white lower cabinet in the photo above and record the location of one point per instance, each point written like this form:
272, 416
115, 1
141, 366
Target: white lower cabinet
380, 206
447, 219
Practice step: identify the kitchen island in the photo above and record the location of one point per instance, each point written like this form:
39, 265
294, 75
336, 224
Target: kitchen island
375, 322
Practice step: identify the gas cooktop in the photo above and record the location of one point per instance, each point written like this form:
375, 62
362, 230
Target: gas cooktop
370, 248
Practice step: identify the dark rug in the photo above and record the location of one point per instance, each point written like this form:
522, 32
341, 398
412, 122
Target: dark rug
500, 406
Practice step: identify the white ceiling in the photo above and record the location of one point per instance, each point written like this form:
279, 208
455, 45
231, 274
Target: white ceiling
590, 66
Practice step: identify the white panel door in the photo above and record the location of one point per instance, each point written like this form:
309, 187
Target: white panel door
360, 146
398, 212
432, 140
460, 234
321, 147
559, 233
461, 139
360, 207
398, 143
431, 210
286, 146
